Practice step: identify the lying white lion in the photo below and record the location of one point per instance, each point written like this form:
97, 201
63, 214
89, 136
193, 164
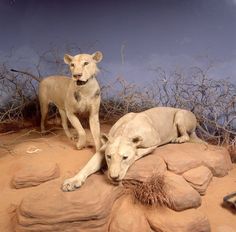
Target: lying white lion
135, 135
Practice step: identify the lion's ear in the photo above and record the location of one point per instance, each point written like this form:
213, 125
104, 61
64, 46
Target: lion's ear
104, 139
137, 140
97, 56
67, 58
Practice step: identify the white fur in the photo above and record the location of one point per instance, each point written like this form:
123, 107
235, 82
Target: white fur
135, 135
71, 98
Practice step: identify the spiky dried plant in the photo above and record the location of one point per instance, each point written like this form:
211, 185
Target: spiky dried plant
151, 192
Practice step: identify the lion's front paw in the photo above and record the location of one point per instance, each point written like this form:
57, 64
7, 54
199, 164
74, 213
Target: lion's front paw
80, 145
73, 138
71, 184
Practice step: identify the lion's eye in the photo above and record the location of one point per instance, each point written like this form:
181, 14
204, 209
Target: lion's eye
125, 157
72, 65
86, 63
108, 157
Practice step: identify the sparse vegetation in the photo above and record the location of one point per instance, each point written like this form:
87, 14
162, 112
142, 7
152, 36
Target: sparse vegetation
213, 101
150, 193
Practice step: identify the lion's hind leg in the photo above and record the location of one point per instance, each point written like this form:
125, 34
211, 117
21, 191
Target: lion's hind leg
185, 123
44, 110
183, 135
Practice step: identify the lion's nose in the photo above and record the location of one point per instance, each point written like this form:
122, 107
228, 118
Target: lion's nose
114, 177
77, 75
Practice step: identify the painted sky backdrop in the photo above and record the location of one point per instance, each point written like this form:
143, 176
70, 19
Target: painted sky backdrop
153, 33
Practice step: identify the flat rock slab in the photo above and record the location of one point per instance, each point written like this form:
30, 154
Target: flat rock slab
146, 167
179, 158
218, 160
183, 157
199, 178
166, 220
33, 174
50, 209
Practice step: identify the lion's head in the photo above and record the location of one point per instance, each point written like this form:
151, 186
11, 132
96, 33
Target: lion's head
83, 66
120, 154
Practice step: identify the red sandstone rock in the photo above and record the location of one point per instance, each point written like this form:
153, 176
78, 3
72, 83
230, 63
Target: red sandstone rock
127, 217
166, 220
182, 195
199, 178
180, 157
217, 159
159, 219
33, 175
95, 208
50, 209
146, 167
183, 157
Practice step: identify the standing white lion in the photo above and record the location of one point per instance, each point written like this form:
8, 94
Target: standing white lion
79, 94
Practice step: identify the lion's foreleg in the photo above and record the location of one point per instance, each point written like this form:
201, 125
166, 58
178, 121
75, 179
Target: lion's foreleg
93, 165
95, 130
80, 130
144, 151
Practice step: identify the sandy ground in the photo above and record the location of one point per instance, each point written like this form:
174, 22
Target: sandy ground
56, 147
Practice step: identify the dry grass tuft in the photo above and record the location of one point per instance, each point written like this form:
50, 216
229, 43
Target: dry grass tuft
149, 193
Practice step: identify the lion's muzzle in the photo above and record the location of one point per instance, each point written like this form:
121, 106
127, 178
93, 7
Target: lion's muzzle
77, 76
114, 172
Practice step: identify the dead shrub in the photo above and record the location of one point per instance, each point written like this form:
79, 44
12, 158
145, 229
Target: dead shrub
212, 101
149, 193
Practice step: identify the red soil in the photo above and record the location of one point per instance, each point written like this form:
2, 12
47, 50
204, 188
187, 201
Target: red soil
57, 148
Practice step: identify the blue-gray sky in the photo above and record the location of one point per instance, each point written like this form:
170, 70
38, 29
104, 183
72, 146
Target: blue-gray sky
166, 33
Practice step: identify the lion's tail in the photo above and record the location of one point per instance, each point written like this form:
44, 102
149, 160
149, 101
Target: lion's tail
27, 74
